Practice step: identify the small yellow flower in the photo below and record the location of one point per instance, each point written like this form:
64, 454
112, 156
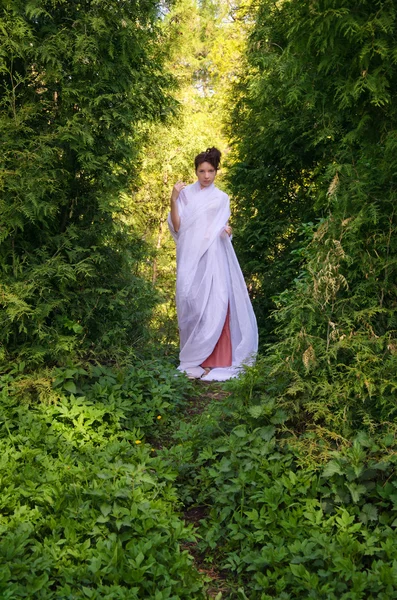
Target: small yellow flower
138, 442
159, 417
153, 450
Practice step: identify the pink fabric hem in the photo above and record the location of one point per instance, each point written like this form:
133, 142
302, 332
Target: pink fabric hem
221, 355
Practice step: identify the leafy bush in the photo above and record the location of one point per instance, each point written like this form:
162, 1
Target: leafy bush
315, 103
336, 357
70, 145
315, 177
87, 509
284, 527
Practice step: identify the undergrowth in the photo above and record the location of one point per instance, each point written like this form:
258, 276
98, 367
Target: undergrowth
289, 515
88, 510
99, 463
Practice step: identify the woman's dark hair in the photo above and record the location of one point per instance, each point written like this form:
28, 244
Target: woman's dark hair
211, 155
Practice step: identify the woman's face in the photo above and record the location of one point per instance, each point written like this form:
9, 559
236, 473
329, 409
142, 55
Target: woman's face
206, 174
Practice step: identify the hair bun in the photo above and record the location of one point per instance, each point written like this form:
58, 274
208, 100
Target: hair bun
213, 151
215, 154
211, 155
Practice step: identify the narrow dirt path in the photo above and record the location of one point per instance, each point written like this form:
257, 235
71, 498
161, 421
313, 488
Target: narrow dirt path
206, 393
196, 405
202, 395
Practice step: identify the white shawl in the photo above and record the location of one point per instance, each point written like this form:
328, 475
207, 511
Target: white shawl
209, 279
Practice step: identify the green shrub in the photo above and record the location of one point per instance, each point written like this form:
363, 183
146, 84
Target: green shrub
282, 526
87, 508
315, 105
70, 268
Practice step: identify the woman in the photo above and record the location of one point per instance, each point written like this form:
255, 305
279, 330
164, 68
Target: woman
217, 326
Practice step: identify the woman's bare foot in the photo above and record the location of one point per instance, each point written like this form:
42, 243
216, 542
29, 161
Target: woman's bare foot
206, 371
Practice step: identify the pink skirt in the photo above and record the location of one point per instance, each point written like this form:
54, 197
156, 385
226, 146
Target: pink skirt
221, 355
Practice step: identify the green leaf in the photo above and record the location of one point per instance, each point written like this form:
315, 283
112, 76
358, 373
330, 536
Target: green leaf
37, 584
332, 468
356, 491
369, 512
240, 431
105, 509
255, 411
267, 433
70, 386
139, 559
222, 449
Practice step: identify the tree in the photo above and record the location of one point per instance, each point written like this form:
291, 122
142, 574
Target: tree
77, 80
322, 97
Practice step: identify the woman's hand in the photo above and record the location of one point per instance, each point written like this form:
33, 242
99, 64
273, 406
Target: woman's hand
175, 218
176, 190
228, 230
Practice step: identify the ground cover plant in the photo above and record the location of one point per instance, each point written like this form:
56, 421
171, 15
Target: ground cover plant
94, 487
279, 522
87, 508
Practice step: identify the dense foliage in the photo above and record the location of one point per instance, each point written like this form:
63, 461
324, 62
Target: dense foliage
87, 510
282, 524
316, 104
76, 81
293, 474
330, 91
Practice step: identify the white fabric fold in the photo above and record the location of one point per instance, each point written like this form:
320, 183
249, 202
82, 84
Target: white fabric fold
209, 279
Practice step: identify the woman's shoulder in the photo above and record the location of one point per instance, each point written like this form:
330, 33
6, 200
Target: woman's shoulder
189, 191
222, 194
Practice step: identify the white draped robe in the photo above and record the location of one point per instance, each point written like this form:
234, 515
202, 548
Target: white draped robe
209, 280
